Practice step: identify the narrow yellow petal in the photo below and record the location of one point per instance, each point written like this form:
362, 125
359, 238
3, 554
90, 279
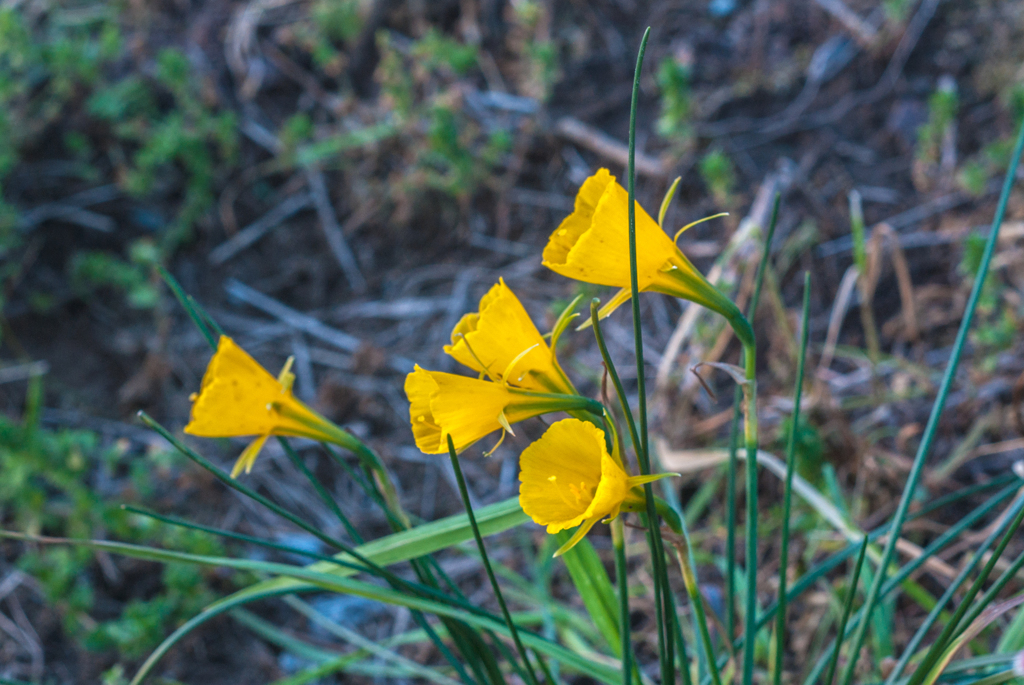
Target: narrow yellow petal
690, 225
634, 481
507, 375
286, 378
577, 536
618, 299
503, 420
248, 456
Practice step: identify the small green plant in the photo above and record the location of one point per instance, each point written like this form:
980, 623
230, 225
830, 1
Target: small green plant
983, 167
998, 323
452, 153
943, 106
719, 175
676, 104
339, 20
809, 447
897, 11
92, 270
973, 177
189, 138
43, 69
1012, 99
160, 135
50, 487
970, 263
438, 51
536, 52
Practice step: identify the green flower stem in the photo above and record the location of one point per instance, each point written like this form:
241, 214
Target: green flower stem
622, 576
634, 286
730, 514
787, 496
933, 420
464, 491
653, 538
321, 491
470, 644
684, 668
235, 485
326, 431
620, 391
362, 478
738, 324
688, 566
191, 307
750, 438
847, 606
663, 602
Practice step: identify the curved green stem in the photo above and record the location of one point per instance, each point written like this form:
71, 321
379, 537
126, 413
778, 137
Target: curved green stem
744, 332
653, 537
512, 629
622, 576
663, 599
787, 495
847, 605
730, 520
750, 439
687, 566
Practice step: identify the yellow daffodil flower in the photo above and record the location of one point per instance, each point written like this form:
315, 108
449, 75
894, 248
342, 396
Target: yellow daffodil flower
489, 341
238, 397
592, 245
569, 479
468, 409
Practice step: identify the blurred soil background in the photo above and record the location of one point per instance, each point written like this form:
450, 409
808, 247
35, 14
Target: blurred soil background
340, 180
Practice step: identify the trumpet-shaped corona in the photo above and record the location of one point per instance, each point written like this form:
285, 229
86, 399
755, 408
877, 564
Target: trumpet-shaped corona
592, 245
569, 479
468, 409
238, 397
501, 339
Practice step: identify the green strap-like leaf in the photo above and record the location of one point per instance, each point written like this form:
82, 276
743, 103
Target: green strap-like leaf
307, 578
591, 581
